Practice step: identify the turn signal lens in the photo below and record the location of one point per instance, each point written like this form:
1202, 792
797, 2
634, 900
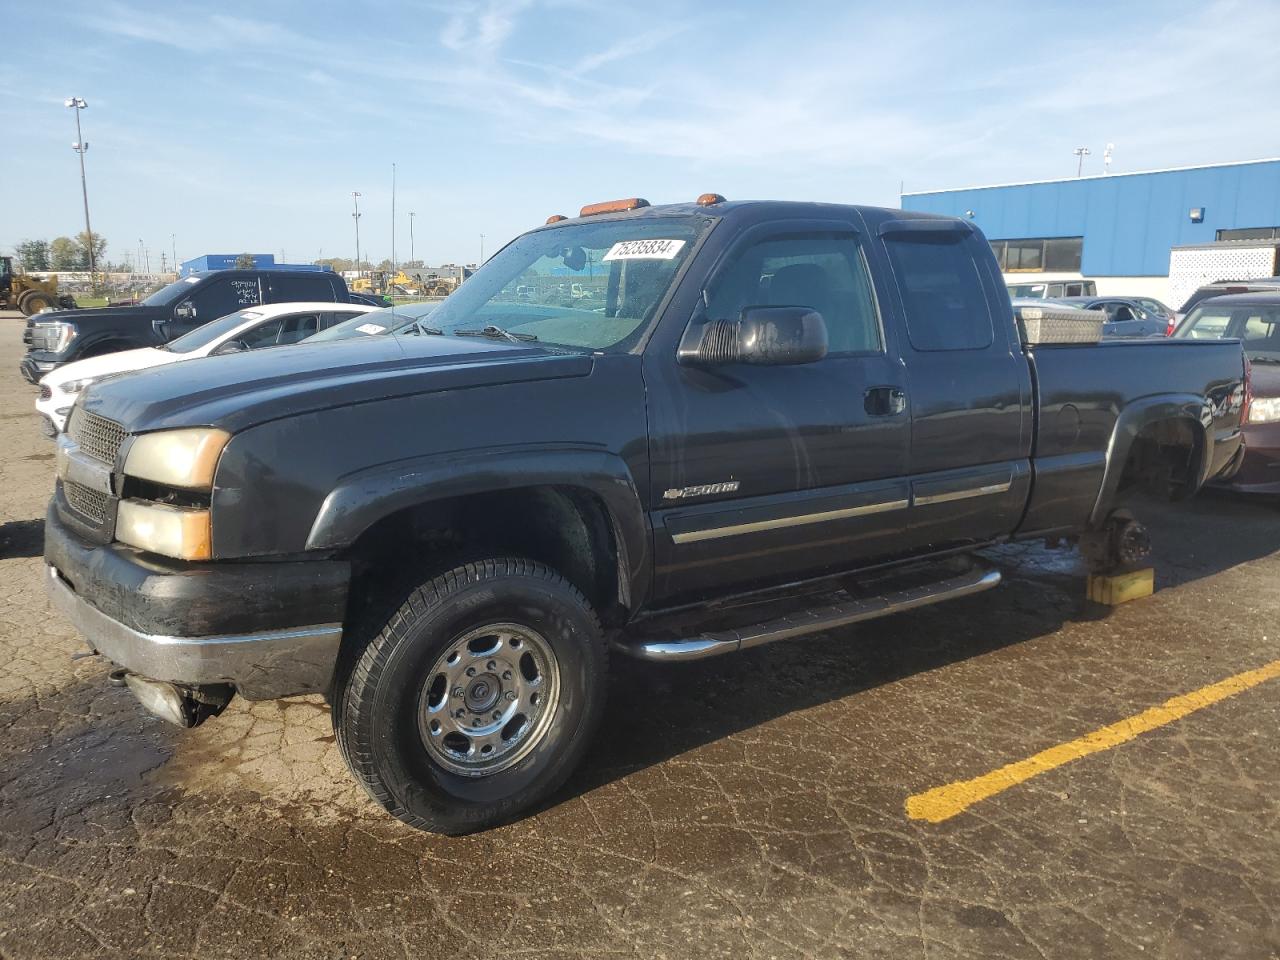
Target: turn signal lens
556, 218
710, 199
159, 528
177, 458
613, 206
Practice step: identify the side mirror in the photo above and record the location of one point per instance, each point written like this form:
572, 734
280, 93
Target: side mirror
186, 310
231, 346
763, 336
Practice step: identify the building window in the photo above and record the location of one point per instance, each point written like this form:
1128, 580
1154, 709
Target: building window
1059, 254
1250, 233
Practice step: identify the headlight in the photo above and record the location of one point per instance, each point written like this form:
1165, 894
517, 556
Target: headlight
159, 528
1264, 410
75, 386
177, 458
58, 334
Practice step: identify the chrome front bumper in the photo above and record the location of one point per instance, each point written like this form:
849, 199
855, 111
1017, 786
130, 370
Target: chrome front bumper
261, 666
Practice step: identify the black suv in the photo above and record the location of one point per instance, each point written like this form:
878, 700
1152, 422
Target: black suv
180, 307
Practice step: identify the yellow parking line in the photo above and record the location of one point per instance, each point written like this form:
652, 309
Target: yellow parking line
943, 803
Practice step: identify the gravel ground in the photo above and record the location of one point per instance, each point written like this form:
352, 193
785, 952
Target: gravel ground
744, 807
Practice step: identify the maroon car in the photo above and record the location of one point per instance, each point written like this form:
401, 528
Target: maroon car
1253, 319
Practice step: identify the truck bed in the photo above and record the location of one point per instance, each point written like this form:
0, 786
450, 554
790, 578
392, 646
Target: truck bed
1090, 403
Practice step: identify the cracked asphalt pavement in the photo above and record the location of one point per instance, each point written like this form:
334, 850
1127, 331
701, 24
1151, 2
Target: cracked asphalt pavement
745, 807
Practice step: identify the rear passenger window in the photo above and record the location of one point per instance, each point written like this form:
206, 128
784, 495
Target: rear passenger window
941, 291
822, 271
299, 287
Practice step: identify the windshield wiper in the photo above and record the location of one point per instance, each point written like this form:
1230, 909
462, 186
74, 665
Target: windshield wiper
491, 330
1264, 358
429, 331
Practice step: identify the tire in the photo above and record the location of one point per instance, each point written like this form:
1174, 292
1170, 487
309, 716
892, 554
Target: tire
526, 633
34, 301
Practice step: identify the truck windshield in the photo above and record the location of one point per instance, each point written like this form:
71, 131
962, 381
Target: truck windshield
171, 292
591, 285
1256, 325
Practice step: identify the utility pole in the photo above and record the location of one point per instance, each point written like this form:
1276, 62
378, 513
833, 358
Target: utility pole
1081, 153
393, 219
355, 199
80, 146
412, 259
173, 240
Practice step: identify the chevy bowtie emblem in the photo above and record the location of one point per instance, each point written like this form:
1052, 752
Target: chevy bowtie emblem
701, 490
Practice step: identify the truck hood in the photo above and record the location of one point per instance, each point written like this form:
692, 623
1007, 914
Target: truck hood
238, 391
87, 316
109, 364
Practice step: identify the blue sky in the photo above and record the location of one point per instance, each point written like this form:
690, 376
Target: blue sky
245, 126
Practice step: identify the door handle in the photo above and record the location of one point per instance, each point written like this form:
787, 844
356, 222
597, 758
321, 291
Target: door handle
884, 401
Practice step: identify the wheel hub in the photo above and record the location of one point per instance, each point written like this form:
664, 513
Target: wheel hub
489, 699
482, 693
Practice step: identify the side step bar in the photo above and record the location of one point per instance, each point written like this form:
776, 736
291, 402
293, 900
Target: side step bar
815, 620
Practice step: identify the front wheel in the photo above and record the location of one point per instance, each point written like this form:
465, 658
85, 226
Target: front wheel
477, 698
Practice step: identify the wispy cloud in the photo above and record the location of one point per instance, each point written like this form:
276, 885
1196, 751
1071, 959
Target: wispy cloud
481, 28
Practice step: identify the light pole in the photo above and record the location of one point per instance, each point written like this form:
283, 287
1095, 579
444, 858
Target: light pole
80, 146
355, 199
173, 242
1080, 152
412, 258
481, 263
393, 219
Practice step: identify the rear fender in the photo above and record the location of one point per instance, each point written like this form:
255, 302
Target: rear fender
1136, 417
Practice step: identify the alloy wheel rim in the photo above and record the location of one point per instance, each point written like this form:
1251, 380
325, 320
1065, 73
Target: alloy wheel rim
489, 699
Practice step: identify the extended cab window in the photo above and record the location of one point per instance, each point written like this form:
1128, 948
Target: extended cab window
822, 271
941, 291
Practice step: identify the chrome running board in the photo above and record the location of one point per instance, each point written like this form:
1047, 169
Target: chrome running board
827, 616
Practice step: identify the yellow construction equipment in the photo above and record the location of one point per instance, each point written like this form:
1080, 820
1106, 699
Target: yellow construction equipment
26, 293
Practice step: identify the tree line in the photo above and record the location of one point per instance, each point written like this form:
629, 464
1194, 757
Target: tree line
63, 253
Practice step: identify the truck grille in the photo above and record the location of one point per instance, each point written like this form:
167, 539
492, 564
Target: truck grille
86, 502
39, 336
96, 436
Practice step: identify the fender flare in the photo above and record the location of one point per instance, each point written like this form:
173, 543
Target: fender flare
86, 347
363, 498
1133, 419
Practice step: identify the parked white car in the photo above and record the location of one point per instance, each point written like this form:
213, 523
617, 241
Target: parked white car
268, 325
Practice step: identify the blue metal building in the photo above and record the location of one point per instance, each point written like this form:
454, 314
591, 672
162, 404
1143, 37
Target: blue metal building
1119, 225
227, 261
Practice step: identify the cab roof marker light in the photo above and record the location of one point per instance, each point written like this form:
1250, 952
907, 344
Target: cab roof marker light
556, 218
613, 206
710, 199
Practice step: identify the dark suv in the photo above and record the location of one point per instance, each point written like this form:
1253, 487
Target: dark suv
180, 307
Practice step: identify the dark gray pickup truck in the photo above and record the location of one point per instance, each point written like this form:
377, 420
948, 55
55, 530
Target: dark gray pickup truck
636, 412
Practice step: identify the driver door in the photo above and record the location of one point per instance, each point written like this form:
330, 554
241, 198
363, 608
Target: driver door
762, 474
